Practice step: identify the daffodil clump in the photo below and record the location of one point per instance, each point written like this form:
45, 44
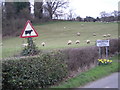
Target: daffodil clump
104, 61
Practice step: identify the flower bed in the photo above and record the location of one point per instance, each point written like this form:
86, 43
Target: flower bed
104, 61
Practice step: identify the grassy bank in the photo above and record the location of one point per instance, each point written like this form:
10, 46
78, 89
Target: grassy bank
91, 75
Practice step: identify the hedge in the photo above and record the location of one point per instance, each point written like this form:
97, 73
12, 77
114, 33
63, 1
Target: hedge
37, 72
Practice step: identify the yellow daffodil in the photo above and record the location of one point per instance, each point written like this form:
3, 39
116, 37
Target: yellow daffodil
104, 61
110, 60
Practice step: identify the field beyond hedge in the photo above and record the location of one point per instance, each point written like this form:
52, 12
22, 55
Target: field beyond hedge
56, 35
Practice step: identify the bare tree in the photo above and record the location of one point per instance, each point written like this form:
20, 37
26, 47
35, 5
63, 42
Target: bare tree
115, 13
53, 6
104, 14
71, 14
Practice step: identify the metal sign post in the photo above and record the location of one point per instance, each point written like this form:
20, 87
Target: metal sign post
100, 54
29, 32
106, 52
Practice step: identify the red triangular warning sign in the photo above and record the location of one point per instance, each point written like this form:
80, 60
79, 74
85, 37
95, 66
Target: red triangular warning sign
28, 31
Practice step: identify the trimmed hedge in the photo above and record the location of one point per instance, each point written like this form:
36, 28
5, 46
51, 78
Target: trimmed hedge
37, 72
114, 44
79, 58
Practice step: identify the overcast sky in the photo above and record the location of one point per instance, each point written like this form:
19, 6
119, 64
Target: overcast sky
93, 7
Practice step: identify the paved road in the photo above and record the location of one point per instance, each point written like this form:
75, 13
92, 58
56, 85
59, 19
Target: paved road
107, 82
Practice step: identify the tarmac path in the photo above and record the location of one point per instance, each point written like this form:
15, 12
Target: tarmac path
110, 81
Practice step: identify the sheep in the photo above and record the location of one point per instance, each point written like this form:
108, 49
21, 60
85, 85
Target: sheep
104, 35
43, 43
64, 27
78, 34
69, 42
33, 41
77, 41
88, 41
108, 35
1, 44
94, 34
82, 25
25, 44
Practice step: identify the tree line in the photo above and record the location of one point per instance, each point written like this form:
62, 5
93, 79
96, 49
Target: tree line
104, 17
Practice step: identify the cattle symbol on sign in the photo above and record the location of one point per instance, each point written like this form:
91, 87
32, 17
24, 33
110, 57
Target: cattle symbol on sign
28, 31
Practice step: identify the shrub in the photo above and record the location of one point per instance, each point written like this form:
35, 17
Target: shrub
31, 49
12, 25
114, 46
80, 57
37, 72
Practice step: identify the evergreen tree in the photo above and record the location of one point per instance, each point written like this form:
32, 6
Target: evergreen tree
21, 5
31, 49
38, 9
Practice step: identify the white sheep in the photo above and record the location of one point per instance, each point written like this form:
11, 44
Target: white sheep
25, 44
69, 42
88, 41
77, 41
82, 25
1, 44
94, 34
108, 35
43, 43
104, 35
78, 34
33, 41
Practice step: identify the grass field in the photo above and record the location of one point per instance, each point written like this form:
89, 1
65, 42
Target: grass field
57, 34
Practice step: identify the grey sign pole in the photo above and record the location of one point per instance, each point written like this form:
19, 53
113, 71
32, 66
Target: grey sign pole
100, 56
106, 52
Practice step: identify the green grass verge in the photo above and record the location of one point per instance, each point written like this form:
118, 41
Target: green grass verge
91, 75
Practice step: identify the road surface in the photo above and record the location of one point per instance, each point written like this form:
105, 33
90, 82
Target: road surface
107, 82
